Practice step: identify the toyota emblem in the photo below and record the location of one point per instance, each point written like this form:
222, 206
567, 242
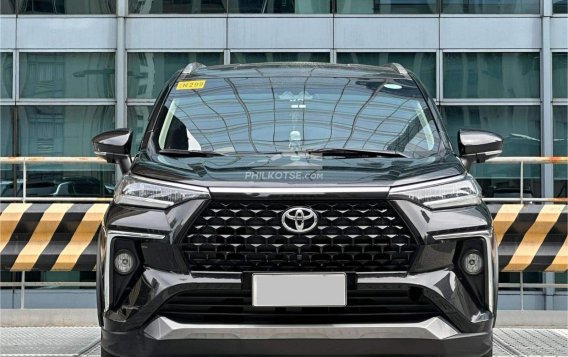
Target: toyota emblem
299, 219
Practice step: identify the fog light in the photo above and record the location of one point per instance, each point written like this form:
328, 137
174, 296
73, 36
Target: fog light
124, 262
472, 263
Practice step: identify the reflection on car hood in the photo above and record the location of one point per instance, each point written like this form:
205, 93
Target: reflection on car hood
303, 171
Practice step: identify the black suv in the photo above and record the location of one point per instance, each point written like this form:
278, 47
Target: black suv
296, 209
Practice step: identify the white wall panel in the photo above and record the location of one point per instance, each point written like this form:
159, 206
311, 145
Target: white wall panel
388, 33
8, 32
280, 32
175, 33
39, 32
490, 32
559, 32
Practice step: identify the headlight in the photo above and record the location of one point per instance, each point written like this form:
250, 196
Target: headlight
460, 193
140, 192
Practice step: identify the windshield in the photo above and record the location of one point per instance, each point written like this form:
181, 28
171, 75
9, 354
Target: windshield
297, 114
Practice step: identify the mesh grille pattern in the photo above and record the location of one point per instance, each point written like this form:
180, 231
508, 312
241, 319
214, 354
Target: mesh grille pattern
235, 306
241, 236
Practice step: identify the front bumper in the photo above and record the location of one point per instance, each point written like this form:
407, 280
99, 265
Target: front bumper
163, 337
461, 329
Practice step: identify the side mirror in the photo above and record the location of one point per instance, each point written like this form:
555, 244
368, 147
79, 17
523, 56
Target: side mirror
114, 147
478, 146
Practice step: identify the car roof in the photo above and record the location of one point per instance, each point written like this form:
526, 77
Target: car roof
299, 69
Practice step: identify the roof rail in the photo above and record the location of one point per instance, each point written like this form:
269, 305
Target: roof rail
398, 67
192, 67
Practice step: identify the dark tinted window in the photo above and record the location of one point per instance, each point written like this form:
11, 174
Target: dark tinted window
560, 75
91, 7
280, 6
67, 75
7, 7
491, 7
177, 6
386, 6
560, 117
149, 71
492, 75
260, 57
7, 72
423, 64
560, 6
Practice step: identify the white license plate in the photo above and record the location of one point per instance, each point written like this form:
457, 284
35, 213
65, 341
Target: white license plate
328, 289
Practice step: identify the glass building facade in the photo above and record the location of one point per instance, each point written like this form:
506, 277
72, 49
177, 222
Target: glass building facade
73, 68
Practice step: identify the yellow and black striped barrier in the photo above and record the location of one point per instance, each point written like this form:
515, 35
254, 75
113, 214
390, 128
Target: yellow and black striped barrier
531, 237
63, 236
49, 236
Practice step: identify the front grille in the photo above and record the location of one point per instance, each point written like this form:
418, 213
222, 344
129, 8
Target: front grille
235, 306
365, 235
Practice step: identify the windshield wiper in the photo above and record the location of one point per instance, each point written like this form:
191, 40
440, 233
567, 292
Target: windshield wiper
189, 153
356, 152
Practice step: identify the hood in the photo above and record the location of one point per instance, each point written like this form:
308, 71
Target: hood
289, 170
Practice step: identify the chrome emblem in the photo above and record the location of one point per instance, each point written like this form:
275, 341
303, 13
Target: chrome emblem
299, 219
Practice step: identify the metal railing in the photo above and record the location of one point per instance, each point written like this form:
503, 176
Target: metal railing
25, 161
522, 161
31, 160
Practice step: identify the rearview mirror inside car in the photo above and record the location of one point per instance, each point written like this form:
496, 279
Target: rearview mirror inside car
114, 147
478, 146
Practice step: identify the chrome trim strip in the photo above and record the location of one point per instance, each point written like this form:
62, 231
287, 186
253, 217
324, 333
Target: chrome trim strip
434, 328
110, 235
135, 234
492, 263
297, 190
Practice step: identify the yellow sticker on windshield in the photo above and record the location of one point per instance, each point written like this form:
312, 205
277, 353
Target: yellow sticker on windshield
191, 85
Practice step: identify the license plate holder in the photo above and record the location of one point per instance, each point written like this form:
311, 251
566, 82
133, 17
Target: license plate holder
290, 289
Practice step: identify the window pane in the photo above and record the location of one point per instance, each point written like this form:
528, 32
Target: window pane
560, 6
67, 75
65, 131
7, 7
491, 75
560, 114
259, 57
422, 64
280, 7
491, 7
177, 6
386, 6
62, 130
560, 75
137, 120
6, 127
528, 277
7, 74
148, 72
7, 172
561, 278
95, 7
520, 128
